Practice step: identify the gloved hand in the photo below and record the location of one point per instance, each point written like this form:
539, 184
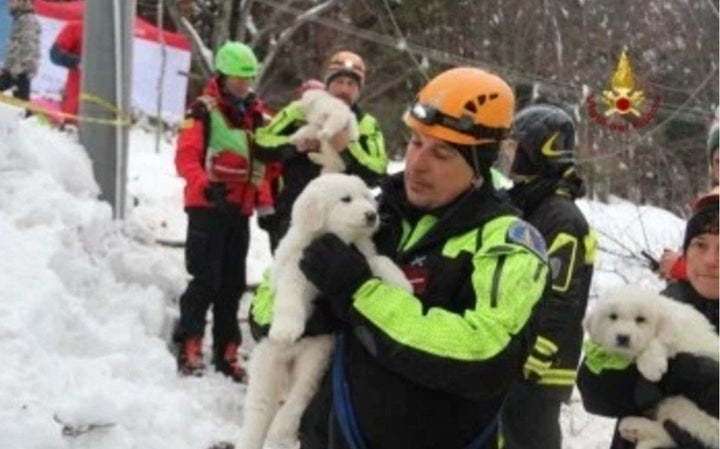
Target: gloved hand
322, 321
540, 359
266, 217
216, 193
682, 438
336, 269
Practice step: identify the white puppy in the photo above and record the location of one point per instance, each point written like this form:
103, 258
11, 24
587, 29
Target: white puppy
335, 203
326, 116
650, 329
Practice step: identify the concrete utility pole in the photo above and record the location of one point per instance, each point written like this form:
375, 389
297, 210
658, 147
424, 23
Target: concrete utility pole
106, 70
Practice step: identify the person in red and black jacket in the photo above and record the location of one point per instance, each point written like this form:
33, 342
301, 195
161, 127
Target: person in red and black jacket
221, 189
66, 52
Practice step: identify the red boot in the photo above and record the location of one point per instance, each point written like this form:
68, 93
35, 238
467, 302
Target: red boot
227, 362
190, 358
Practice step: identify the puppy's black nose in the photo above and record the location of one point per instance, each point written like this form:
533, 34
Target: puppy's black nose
370, 217
622, 340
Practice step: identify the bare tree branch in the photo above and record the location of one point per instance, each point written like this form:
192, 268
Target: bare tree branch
201, 54
287, 34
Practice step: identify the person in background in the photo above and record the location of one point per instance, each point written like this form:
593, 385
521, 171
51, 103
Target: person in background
611, 385
66, 52
428, 369
344, 77
672, 265
546, 185
23, 50
221, 186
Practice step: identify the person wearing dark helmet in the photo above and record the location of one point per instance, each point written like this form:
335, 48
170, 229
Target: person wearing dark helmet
429, 369
546, 185
611, 385
221, 184
344, 77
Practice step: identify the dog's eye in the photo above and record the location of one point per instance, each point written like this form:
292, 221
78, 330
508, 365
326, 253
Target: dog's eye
640, 319
613, 316
346, 199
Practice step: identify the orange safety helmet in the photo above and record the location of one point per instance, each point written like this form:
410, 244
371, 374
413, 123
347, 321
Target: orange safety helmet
463, 106
345, 63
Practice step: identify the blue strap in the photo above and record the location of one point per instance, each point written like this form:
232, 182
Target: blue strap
479, 441
345, 414
342, 406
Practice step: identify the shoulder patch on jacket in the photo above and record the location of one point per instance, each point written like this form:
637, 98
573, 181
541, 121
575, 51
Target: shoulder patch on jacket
525, 234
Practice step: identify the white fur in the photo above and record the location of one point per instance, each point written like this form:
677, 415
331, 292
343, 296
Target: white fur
650, 329
326, 115
339, 204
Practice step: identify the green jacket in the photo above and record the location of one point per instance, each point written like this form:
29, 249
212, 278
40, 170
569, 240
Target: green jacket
430, 369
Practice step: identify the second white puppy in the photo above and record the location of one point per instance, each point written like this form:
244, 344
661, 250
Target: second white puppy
332, 203
326, 116
650, 329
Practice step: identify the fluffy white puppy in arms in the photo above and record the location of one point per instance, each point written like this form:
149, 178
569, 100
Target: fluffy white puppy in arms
326, 116
332, 203
650, 329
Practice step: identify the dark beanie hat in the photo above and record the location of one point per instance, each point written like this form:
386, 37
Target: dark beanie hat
479, 157
703, 221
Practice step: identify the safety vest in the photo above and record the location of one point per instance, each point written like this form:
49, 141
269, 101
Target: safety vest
228, 157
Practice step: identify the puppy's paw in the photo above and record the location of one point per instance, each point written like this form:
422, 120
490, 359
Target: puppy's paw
329, 163
389, 272
629, 428
285, 330
652, 368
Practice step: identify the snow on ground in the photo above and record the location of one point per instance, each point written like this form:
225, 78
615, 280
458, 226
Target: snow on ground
88, 303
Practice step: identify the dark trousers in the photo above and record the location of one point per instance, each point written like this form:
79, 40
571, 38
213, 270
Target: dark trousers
530, 419
215, 252
21, 82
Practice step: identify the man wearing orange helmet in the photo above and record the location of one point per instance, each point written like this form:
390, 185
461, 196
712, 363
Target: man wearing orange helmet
344, 77
429, 369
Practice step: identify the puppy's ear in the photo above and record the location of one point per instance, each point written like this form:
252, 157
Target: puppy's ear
308, 212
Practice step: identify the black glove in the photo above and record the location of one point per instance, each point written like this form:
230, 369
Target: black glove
682, 438
336, 269
322, 321
216, 193
267, 222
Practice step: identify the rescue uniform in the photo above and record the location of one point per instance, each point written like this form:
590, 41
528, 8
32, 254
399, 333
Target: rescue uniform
430, 369
214, 146
532, 408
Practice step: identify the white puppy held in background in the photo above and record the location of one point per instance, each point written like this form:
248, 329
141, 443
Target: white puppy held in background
332, 203
650, 329
326, 116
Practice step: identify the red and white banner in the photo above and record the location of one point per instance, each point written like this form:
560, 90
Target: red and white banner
147, 62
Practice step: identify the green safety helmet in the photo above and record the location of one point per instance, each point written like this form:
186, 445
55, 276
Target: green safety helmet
236, 59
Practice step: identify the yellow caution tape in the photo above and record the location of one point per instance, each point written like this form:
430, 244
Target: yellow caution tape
122, 118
